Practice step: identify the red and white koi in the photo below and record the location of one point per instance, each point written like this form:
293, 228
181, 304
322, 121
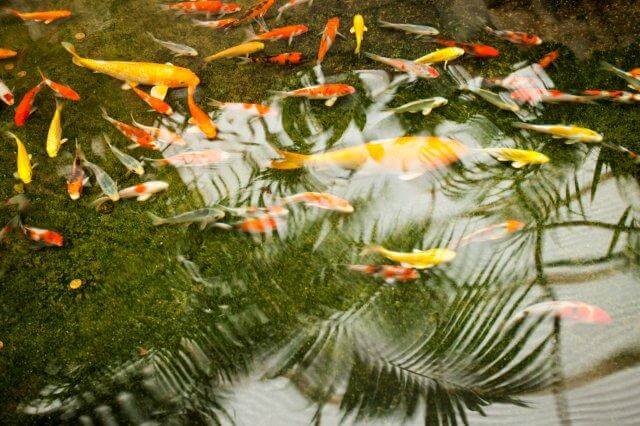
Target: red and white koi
579, 312
492, 233
515, 37
43, 236
425, 71
162, 134
5, 94
614, 95
158, 105
287, 58
291, 4
141, 192
25, 107
321, 200
60, 89
205, 158
202, 6
282, 33
473, 49
328, 38
329, 92
391, 274
255, 110
216, 25
139, 137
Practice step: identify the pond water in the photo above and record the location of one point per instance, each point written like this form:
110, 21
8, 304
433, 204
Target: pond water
188, 324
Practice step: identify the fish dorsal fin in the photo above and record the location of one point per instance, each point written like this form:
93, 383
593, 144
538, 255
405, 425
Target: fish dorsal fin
366, 29
159, 92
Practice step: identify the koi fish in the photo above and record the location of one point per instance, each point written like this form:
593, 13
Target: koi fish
244, 49
25, 171
418, 30
139, 137
321, 200
409, 156
7, 53
442, 55
633, 81
203, 216
328, 37
25, 107
199, 117
108, 185
473, 49
146, 73
202, 6
162, 134
76, 178
358, 30
575, 311
493, 98
291, 4
43, 236
44, 16
141, 192
60, 89
421, 105
553, 96
493, 232
572, 134
158, 105
417, 259
518, 157
282, 33
217, 25
418, 70
329, 92
289, 58
20, 200
549, 58
256, 110
614, 95
275, 211
5, 94
54, 136
391, 274
515, 37
255, 12
264, 224
10, 226
126, 160
176, 48
209, 157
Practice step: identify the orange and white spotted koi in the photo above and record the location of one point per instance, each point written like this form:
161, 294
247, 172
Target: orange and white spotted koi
287, 58
255, 110
45, 237
321, 200
516, 37
141, 192
202, 6
328, 38
614, 95
139, 137
282, 33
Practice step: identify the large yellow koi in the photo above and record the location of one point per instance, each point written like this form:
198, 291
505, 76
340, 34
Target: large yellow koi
24, 161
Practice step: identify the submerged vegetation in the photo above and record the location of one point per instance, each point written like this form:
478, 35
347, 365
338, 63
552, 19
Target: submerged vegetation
188, 324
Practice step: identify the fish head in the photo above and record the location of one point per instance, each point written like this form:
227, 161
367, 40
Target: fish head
539, 158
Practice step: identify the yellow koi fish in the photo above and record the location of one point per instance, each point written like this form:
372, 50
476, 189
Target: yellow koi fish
244, 49
518, 157
441, 55
54, 137
145, 73
418, 259
24, 161
358, 29
572, 134
410, 156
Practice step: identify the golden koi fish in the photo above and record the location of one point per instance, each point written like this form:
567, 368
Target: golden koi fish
25, 172
244, 49
418, 259
518, 157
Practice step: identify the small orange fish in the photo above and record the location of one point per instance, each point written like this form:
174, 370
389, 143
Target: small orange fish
290, 58
25, 106
265, 224
203, 6
199, 117
282, 33
328, 37
43, 236
516, 37
62, 90
391, 274
45, 16
549, 58
329, 92
139, 137
255, 12
7, 53
493, 232
76, 178
474, 49
321, 200
158, 105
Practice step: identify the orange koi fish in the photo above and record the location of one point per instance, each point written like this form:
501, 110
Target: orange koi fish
139, 137
321, 200
162, 134
265, 224
289, 58
290, 4
328, 37
549, 58
45, 16
43, 236
209, 157
493, 232
217, 25
552, 96
255, 12
60, 89
614, 95
76, 178
5, 94
474, 49
391, 274
282, 33
329, 92
574, 311
7, 53
256, 110
25, 107
515, 37
635, 72
199, 117
203, 6
158, 105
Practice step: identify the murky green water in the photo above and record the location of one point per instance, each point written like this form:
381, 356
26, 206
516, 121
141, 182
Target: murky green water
183, 325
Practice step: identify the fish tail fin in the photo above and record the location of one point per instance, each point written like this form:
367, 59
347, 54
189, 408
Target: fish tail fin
156, 220
279, 15
9, 11
80, 153
372, 56
224, 226
369, 250
105, 115
607, 66
151, 36
157, 163
165, 7
384, 24
520, 125
72, 50
215, 103
250, 35
291, 160
44, 77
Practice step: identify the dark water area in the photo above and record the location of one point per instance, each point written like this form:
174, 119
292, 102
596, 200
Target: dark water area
209, 325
